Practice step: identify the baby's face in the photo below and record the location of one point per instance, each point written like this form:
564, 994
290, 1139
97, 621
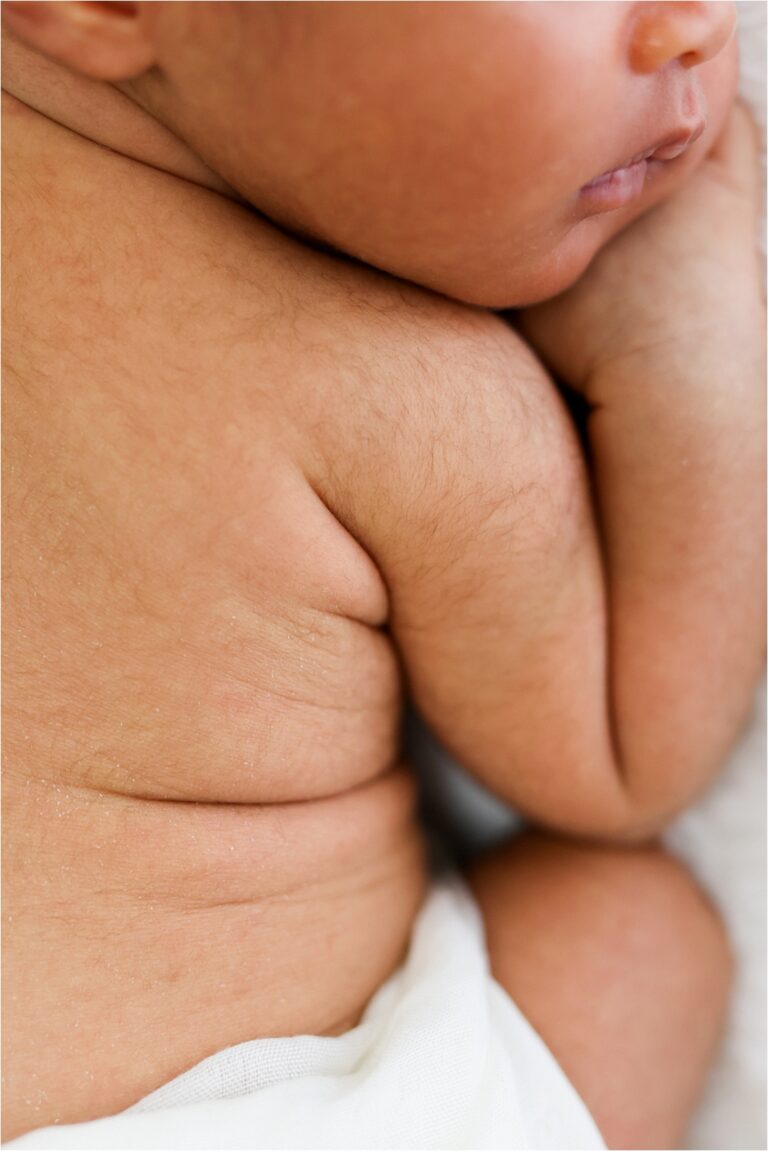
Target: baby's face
465, 146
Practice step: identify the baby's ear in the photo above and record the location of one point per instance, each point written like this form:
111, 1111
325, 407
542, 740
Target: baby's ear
105, 41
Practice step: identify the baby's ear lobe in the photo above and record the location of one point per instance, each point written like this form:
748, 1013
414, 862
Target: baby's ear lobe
105, 41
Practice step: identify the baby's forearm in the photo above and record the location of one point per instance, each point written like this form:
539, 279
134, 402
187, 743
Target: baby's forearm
664, 338
591, 646
537, 610
677, 439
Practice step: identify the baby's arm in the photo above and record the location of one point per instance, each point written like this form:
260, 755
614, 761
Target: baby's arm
664, 339
595, 683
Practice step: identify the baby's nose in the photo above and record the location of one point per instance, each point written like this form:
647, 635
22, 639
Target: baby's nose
690, 33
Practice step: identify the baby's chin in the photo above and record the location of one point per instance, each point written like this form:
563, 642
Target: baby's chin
506, 275
521, 279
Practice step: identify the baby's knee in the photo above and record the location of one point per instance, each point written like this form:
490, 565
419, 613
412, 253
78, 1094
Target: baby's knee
622, 965
642, 905
677, 922
667, 979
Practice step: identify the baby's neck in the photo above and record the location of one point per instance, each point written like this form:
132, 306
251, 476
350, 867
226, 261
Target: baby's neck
103, 113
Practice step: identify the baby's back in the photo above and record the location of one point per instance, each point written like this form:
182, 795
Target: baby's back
209, 832
249, 480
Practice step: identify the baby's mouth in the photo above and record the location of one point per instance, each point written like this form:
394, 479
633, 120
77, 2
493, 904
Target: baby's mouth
619, 186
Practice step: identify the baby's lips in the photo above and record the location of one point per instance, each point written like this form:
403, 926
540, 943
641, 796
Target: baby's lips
668, 148
674, 148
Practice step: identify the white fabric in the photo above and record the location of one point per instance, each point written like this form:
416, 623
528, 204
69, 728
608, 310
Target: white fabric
442, 1059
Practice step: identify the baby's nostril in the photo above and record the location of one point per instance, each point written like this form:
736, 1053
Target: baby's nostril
689, 34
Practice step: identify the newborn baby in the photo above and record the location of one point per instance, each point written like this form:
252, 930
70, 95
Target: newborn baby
272, 454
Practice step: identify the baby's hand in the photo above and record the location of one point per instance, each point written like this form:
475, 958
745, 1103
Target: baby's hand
682, 281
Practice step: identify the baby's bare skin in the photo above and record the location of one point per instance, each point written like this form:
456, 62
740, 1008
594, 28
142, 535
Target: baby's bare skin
218, 715
259, 465
218, 718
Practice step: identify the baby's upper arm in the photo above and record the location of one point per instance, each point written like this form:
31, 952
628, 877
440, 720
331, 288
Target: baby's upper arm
456, 466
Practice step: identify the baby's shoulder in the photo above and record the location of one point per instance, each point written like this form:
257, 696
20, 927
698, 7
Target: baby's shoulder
229, 341
371, 371
399, 395
170, 278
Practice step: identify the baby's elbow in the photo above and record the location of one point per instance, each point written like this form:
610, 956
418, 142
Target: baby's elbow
612, 812
631, 827
640, 814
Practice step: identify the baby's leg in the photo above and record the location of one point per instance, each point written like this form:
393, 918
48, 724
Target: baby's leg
620, 965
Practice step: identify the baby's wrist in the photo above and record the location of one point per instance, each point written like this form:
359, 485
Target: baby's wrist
723, 352
698, 380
